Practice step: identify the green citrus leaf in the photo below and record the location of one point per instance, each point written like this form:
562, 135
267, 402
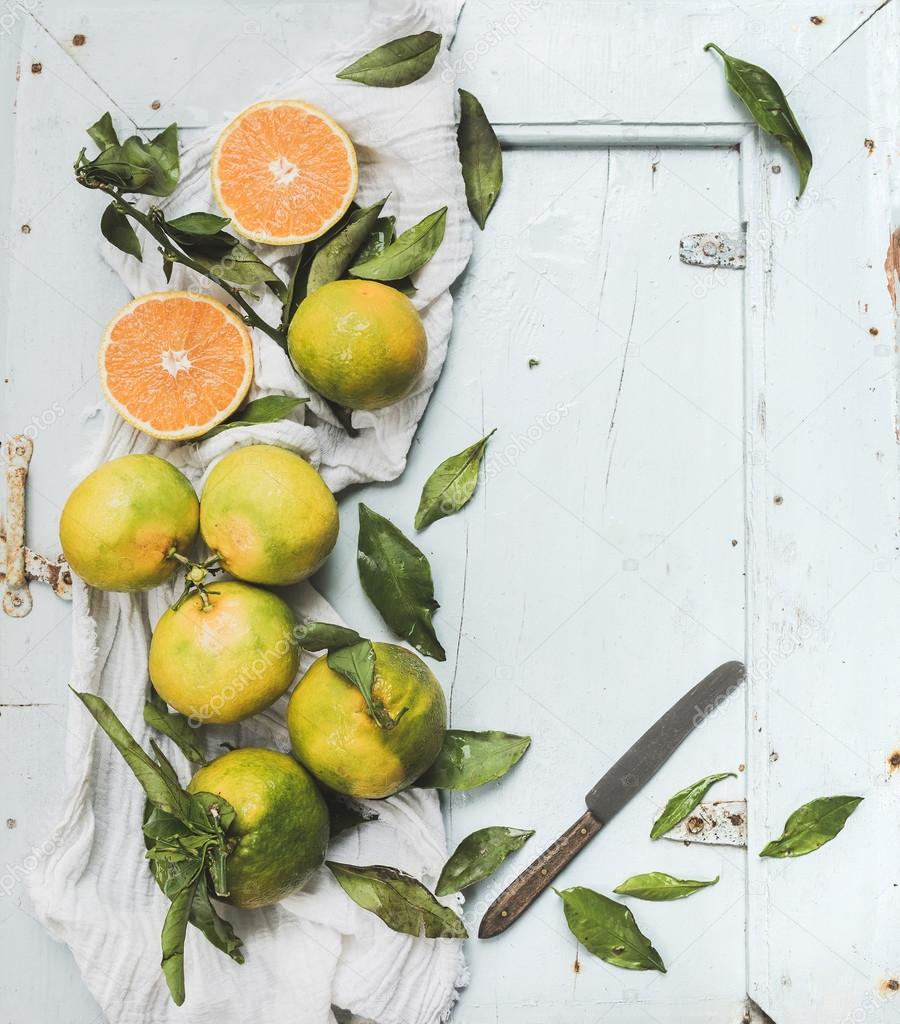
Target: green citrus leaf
173, 934
608, 930
400, 900
684, 801
397, 578
175, 726
383, 234
412, 250
261, 410
149, 168
660, 887
338, 253
319, 636
166, 837
380, 237
812, 826
357, 665
478, 856
451, 485
156, 781
203, 224
227, 259
116, 229
480, 156
763, 97
400, 62
297, 288
216, 929
163, 151
470, 759
103, 133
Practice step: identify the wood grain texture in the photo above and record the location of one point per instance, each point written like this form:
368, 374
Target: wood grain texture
518, 897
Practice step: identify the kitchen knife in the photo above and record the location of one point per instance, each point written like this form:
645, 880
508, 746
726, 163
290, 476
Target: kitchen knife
628, 775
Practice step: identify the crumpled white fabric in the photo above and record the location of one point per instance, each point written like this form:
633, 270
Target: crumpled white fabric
94, 891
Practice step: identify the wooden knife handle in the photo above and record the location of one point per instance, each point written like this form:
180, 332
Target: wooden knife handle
518, 896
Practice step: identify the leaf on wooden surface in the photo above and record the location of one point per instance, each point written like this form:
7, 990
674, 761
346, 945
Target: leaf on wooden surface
479, 855
480, 156
764, 98
812, 826
451, 485
659, 887
396, 576
608, 930
470, 759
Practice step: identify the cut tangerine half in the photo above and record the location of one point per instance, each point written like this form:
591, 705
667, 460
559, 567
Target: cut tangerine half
284, 172
176, 364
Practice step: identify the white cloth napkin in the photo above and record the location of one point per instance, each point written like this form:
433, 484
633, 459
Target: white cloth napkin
94, 892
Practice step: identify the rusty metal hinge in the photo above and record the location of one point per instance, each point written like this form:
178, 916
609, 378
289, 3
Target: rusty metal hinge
719, 823
715, 249
19, 565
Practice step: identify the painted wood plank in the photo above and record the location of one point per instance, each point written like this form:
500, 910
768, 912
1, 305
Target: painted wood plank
819, 562
823, 508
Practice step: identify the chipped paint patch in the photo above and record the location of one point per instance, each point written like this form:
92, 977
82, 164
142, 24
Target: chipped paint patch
892, 266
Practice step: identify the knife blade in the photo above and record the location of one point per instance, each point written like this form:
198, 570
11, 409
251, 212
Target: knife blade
626, 777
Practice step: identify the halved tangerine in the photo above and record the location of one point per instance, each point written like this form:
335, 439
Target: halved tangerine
284, 172
175, 364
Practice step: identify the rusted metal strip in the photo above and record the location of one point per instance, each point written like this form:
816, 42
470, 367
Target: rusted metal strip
17, 599
715, 249
719, 823
18, 564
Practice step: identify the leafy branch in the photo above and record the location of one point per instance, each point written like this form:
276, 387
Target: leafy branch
188, 843
196, 241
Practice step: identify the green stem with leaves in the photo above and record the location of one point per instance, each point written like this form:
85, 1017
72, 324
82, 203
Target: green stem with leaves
172, 255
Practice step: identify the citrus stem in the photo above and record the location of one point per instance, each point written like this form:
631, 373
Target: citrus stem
195, 578
172, 255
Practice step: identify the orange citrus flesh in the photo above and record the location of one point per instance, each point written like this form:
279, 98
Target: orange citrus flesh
175, 364
284, 172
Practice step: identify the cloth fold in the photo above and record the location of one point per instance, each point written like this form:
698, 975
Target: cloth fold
94, 891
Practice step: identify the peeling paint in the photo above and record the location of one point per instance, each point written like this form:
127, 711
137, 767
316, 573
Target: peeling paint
892, 266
